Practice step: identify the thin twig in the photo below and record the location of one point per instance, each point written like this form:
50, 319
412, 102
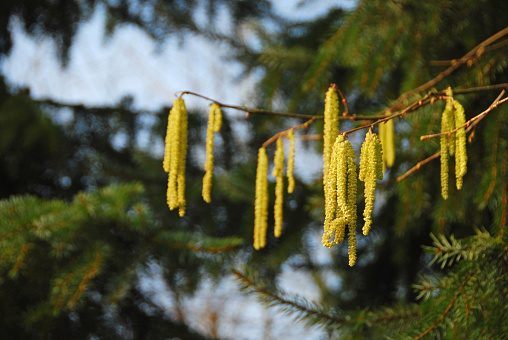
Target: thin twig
250, 110
285, 132
418, 165
476, 52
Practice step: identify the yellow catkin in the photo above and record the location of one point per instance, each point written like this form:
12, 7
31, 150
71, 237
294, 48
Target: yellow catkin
182, 157
450, 118
351, 203
214, 125
460, 144
378, 153
330, 190
387, 140
330, 128
261, 200
217, 119
340, 158
172, 155
446, 125
370, 171
291, 162
278, 173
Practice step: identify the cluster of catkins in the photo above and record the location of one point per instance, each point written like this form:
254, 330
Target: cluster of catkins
339, 168
176, 152
340, 180
453, 144
262, 196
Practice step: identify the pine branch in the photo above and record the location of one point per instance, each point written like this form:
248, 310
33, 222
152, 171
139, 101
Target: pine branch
452, 250
299, 306
447, 309
193, 242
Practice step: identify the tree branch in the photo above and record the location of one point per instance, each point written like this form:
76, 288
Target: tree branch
446, 311
476, 52
471, 123
475, 119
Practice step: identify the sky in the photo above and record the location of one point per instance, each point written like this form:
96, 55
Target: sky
130, 63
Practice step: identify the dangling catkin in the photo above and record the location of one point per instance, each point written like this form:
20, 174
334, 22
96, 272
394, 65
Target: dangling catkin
460, 144
330, 128
371, 169
330, 190
351, 203
175, 155
446, 125
261, 200
450, 117
182, 156
214, 125
291, 162
386, 137
340, 158
278, 173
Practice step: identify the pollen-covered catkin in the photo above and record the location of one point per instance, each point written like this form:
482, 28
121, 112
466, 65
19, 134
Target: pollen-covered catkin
460, 144
330, 190
182, 156
261, 200
446, 125
175, 155
278, 173
340, 160
387, 140
450, 118
330, 128
351, 201
291, 162
214, 125
370, 171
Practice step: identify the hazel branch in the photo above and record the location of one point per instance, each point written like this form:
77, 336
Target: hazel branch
474, 120
475, 53
418, 165
250, 110
285, 132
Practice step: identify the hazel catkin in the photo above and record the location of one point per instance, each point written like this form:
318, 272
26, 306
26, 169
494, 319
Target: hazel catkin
370, 171
278, 173
214, 125
175, 155
330, 128
386, 136
340, 205
291, 162
261, 200
460, 144
330, 193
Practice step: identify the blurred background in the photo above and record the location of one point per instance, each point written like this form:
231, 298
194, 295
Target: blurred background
89, 248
